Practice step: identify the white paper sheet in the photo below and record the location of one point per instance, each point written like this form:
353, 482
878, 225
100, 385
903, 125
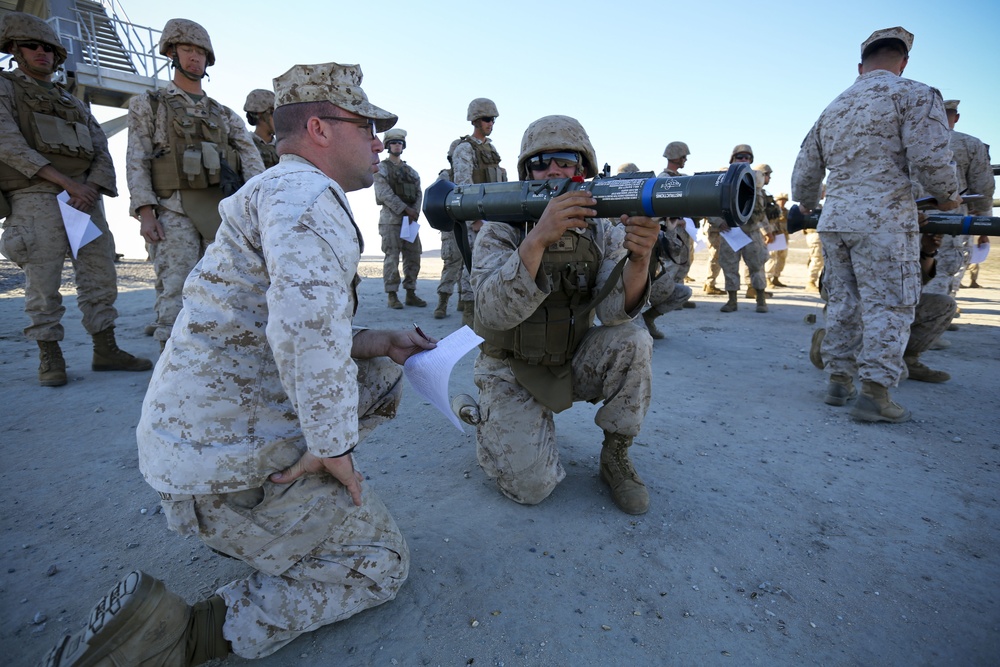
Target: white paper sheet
979, 253
699, 241
408, 232
80, 229
779, 243
429, 371
736, 238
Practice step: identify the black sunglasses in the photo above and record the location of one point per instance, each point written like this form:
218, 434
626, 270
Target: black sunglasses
488, 119
34, 46
542, 161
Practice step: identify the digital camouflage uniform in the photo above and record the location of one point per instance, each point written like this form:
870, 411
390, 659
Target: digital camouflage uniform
34, 237
268, 151
776, 262
667, 293
258, 371
972, 164
469, 168
397, 187
814, 267
753, 253
873, 138
150, 139
516, 438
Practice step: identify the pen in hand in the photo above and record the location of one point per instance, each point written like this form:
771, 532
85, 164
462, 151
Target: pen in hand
420, 331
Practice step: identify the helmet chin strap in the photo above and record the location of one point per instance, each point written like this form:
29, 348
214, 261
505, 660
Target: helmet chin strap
176, 64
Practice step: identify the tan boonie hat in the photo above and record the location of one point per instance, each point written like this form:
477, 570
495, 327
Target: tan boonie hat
903, 35
951, 105
330, 82
259, 101
782, 195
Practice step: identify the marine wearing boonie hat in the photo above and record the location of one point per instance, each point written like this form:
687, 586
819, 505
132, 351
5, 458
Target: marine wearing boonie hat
330, 82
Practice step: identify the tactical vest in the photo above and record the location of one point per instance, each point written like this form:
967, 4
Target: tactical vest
198, 142
487, 162
551, 334
53, 123
403, 180
268, 152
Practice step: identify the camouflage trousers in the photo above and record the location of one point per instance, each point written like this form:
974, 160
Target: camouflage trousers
933, 314
393, 247
815, 265
754, 254
665, 294
173, 260
714, 239
34, 238
952, 260
776, 263
516, 439
872, 282
451, 271
318, 558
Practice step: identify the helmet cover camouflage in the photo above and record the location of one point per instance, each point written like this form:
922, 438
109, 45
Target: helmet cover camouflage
481, 107
556, 133
21, 27
185, 31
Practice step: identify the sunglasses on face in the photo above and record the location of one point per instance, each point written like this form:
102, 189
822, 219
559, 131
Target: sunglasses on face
542, 161
488, 119
743, 156
360, 122
34, 46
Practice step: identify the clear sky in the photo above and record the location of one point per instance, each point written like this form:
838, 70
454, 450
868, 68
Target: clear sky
636, 74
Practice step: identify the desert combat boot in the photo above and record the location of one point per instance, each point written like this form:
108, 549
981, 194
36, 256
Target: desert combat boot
413, 300
109, 357
393, 301
141, 623
52, 366
442, 308
649, 317
874, 405
839, 390
627, 488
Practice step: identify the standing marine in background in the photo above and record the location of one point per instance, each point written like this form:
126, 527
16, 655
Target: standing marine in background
185, 153
259, 108
397, 191
476, 160
50, 142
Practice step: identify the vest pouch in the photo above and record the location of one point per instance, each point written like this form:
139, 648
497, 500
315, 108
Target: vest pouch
83, 137
163, 172
191, 167
202, 207
57, 133
530, 338
211, 159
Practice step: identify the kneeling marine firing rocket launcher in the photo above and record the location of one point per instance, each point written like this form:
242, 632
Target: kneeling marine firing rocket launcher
724, 194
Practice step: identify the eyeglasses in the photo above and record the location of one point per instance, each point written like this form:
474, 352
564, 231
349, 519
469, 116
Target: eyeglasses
360, 122
34, 46
488, 119
394, 141
542, 161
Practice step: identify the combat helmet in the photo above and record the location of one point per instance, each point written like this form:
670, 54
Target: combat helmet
556, 133
675, 150
394, 134
21, 27
741, 148
185, 31
764, 168
259, 101
481, 107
